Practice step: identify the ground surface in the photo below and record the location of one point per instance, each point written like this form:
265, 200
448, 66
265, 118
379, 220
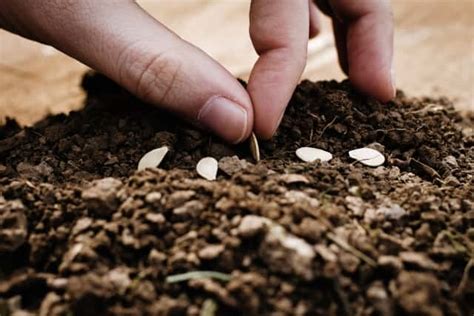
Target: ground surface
434, 42
81, 232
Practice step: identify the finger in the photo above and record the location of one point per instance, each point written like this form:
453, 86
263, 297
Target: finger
314, 20
367, 26
121, 40
279, 30
340, 35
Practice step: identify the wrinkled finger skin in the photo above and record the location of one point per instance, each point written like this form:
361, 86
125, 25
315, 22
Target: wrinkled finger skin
279, 30
363, 31
121, 40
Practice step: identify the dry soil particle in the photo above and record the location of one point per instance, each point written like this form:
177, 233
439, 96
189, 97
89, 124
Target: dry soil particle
82, 232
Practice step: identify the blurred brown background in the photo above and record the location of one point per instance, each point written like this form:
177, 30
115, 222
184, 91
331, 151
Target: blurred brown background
434, 53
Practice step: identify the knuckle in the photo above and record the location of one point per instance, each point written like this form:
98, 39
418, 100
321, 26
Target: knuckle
150, 76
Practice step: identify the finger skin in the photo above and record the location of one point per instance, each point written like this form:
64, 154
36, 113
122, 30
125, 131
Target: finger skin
314, 20
279, 30
125, 43
340, 37
364, 38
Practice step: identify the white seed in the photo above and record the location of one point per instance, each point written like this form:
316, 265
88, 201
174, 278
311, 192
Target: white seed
310, 154
368, 156
207, 168
153, 158
254, 148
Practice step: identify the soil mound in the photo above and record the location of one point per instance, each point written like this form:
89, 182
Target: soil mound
82, 232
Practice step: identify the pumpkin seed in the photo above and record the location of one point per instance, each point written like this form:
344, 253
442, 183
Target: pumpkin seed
254, 148
207, 168
152, 159
310, 154
368, 156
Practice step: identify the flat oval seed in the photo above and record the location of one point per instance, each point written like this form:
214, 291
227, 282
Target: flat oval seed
254, 148
310, 154
152, 159
207, 168
367, 156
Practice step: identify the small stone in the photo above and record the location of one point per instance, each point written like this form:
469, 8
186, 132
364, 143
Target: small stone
120, 279
393, 211
35, 172
367, 156
418, 259
310, 154
451, 161
81, 225
390, 263
179, 197
207, 168
452, 181
356, 205
295, 196
293, 178
191, 208
286, 253
210, 252
153, 198
101, 197
232, 165
252, 225
152, 159
155, 218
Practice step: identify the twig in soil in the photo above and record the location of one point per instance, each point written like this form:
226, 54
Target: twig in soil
311, 143
198, 275
327, 126
391, 130
344, 245
209, 308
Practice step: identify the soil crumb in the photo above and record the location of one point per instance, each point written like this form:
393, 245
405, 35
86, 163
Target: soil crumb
83, 233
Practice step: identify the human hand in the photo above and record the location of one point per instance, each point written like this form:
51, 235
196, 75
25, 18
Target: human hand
125, 43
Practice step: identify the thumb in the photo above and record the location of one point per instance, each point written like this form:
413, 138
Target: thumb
122, 41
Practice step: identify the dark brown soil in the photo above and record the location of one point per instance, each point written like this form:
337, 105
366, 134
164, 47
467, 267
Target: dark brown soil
82, 233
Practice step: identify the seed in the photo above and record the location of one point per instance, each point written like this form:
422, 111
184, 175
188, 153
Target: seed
310, 154
254, 148
153, 158
368, 156
207, 168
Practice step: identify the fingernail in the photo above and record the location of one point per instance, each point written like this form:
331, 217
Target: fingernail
225, 118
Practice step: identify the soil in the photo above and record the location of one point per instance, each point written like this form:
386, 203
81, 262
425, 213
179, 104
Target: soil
83, 233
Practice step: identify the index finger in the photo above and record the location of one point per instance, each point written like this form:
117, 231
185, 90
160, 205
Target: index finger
279, 30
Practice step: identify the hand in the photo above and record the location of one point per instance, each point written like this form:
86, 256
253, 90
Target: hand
121, 40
